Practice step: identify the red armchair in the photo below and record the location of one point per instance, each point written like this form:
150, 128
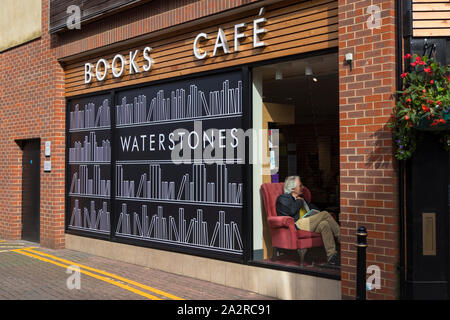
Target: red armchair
282, 228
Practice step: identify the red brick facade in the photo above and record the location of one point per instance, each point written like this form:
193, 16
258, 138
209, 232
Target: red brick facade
369, 180
32, 82
32, 106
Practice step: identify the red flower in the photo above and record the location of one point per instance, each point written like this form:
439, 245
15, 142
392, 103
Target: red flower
418, 58
407, 56
408, 100
406, 117
424, 90
425, 108
438, 103
427, 70
422, 63
431, 81
414, 64
404, 74
410, 124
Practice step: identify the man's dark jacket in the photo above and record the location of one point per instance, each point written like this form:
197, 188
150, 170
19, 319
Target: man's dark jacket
286, 205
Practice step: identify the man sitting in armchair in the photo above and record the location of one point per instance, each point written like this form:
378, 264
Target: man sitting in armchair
292, 204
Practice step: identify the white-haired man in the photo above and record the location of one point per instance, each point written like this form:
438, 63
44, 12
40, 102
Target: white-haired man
291, 203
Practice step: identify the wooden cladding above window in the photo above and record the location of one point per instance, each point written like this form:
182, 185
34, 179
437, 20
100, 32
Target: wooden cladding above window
90, 10
431, 18
291, 28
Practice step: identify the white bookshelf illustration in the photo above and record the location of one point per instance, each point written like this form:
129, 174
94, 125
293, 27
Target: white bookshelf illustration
193, 187
90, 151
225, 236
88, 119
91, 219
82, 184
177, 106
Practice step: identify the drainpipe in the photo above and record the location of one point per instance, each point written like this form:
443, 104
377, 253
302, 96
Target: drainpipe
399, 54
403, 33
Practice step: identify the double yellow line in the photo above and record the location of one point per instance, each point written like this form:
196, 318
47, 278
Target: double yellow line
110, 278
9, 245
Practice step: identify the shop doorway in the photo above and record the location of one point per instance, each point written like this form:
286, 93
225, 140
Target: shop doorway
30, 189
427, 221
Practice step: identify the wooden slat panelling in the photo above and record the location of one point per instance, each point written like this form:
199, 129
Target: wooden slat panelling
429, 1
431, 24
292, 28
431, 18
438, 6
431, 33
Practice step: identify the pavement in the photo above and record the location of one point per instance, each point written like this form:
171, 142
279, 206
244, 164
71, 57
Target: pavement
28, 272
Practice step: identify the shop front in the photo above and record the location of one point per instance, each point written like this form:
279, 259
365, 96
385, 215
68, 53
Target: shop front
172, 139
161, 132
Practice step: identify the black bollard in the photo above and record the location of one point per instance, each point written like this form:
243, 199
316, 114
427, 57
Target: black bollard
361, 264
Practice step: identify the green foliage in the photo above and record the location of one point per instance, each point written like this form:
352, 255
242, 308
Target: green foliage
423, 104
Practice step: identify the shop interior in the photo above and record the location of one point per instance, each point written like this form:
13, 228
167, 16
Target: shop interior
300, 100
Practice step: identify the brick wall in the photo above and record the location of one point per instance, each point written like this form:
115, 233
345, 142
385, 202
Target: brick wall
368, 175
369, 181
32, 105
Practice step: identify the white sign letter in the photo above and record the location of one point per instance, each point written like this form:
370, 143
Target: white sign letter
221, 42
134, 67
257, 31
87, 72
238, 35
197, 51
114, 68
105, 72
147, 57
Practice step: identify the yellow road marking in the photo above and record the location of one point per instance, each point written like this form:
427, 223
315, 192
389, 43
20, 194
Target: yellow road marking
12, 242
115, 283
10, 247
16, 249
137, 284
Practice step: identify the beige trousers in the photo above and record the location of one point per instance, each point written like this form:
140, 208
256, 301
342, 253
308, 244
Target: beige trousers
324, 224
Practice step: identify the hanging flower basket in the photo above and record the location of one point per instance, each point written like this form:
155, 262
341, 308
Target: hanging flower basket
427, 125
423, 105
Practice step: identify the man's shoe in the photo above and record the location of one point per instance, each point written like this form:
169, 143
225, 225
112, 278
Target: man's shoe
333, 261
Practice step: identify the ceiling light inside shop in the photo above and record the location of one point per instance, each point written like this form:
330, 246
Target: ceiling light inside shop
278, 74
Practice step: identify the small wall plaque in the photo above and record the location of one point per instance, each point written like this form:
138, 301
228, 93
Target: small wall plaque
47, 166
47, 148
429, 234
